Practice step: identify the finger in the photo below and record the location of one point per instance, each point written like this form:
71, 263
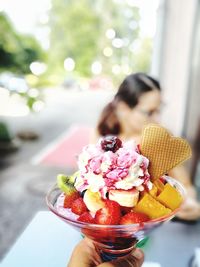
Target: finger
95, 250
135, 259
190, 206
84, 255
189, 214
186, 217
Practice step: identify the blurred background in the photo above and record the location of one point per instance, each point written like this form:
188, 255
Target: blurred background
61, 61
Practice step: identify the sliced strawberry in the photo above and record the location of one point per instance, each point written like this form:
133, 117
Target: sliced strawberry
109, 214
125, 210
86, 217
70, 198
162, 180
78, 206
134, 217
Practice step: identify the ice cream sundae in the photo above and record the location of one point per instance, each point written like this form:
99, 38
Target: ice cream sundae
120, 191
113, 186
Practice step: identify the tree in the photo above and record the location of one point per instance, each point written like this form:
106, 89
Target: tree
75, 30
17, 51
78, 30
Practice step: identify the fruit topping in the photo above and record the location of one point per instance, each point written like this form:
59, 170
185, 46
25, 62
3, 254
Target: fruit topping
70, 198
78, 206
93, 201
154, 191
159, 184
126, 198
151, 207
111, 143
134, 217
109, 214
170, 197
65, 184
86, 217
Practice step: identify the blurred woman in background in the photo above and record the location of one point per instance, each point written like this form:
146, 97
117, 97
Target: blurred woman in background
136, 104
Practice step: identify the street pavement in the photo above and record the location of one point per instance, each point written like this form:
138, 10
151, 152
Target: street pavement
23, 186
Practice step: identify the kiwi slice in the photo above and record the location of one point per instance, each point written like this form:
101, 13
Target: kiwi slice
65, 184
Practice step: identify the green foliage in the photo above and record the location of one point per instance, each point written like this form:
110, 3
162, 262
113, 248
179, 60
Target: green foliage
142, 58
17, 51
75, 28
4, 133
78, 30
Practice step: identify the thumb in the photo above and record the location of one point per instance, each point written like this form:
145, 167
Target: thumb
135, 259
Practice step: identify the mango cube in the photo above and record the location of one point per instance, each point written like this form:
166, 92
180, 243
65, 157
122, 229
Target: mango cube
160, 186
154, 191
151, 207
170, 197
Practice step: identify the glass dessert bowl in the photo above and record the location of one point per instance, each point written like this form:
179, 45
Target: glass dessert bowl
114, 241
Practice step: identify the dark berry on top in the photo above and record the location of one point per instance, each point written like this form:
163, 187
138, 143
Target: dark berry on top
111, 143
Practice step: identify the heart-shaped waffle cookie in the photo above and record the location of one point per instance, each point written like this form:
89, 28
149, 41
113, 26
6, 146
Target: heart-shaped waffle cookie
163, 150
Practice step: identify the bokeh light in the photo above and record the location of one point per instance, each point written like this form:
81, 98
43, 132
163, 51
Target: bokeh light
69, 64
108, 51
110, 33
38, 68
96, 67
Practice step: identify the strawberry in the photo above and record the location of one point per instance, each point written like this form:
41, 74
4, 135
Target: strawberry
109, 214
162, 180
86, 217
134, 217
125, 210
70, 198
78, 206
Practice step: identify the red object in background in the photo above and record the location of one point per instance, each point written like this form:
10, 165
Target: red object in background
64, 151
100, 83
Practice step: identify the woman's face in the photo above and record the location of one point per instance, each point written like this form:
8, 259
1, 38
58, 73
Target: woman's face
146, 111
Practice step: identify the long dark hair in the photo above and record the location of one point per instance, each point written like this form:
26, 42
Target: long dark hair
129, 92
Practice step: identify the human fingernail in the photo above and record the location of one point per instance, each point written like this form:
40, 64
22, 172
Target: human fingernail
138, 253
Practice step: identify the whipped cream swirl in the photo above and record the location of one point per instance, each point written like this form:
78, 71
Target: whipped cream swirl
101, 171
